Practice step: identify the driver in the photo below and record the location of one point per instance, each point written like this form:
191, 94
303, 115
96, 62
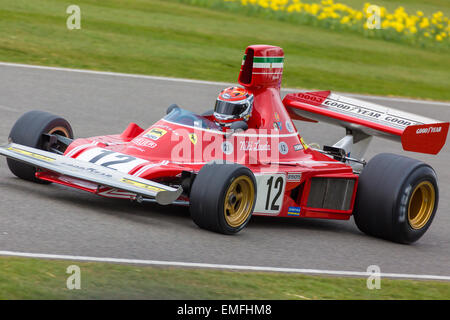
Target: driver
233, 104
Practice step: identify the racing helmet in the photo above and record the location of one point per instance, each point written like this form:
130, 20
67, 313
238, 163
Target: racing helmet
233, 104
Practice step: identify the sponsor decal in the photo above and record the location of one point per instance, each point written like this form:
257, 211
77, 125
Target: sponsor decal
310, 98
294, 211
227, 147
305, 146
168, 128
277, 117
254, 146
141, 185
87, 169
144, 143
294, 176
429, 130
278, 122
280, 125
31, 154
193, 137
283, 147
369, 114
155, 133
275, 126
298, 147
289, 126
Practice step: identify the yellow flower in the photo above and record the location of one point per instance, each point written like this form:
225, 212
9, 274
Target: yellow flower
345, 20
435, 26
425, 23
413, 30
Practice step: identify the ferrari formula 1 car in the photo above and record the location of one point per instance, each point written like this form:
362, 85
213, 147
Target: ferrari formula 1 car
260, 166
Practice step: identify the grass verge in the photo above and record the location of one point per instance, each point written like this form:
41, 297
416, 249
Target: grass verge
25, 278
169, 38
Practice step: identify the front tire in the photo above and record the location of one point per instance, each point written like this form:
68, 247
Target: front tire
223, 197
28, 131
397, 198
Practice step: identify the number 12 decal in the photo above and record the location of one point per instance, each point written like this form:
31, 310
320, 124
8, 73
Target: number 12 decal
279, 182
110, 159
270, 193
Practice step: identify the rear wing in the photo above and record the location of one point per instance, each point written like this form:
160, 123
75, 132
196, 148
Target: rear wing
416, 133
100, 175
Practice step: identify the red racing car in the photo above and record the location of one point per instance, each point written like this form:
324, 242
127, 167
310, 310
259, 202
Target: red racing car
246, 157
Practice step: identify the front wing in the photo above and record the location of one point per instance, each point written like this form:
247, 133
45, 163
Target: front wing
91, 172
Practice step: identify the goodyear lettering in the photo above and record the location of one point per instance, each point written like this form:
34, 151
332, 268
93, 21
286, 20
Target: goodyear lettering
398, 121
374, 115
87, 169
309, 97
341, 106
428, 130
368, 113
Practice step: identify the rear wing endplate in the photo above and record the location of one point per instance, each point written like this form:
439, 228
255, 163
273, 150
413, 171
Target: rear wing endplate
87, 171
416, 133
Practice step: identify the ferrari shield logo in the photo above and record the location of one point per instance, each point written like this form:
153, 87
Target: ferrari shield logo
155, 133
193, 138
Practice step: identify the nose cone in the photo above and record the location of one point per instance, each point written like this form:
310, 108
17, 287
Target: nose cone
262, 67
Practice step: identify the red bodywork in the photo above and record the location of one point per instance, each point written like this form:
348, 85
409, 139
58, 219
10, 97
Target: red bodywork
271, 145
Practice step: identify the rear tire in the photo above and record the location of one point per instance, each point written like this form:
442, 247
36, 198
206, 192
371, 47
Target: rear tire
28, 131
397, 198
223, 197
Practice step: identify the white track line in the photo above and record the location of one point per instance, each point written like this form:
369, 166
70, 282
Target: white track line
114, 74
215, 83
220, 266
4, 108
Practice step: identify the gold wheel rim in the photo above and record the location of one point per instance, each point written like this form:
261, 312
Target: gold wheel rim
239, 200
421, 205
63, 130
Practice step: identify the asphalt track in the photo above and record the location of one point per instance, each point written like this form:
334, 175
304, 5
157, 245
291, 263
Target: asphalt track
57, 220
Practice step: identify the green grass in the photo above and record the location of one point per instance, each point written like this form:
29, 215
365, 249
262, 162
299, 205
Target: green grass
169, 38
24, 278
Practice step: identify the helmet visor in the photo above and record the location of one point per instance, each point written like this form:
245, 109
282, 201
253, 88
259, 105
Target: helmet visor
228, 108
